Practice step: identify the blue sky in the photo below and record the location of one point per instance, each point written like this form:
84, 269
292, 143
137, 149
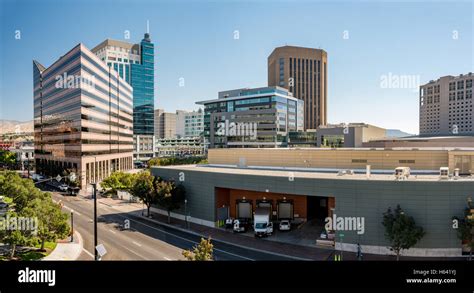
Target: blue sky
194, 40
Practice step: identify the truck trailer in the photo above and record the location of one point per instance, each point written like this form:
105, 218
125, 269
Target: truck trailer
262, 224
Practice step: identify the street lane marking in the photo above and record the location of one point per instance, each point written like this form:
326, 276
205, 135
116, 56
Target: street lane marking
166, 258
174, 235
139, 255
86, 251
112, 231
137, 244
185, 239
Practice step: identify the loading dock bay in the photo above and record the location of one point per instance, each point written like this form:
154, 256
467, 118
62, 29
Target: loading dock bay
307, 212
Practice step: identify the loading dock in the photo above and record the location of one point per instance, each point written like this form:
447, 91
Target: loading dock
242, 204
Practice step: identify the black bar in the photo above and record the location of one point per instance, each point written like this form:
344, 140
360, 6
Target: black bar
243, 274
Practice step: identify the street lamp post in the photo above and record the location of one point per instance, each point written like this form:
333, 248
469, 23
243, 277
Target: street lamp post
72, 226
186, 212
342, 245
96, 255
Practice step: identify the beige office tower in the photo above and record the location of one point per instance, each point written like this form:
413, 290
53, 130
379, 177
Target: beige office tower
303, 71
446, 106
165, 124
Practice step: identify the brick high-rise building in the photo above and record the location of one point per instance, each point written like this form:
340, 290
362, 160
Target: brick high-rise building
303, 71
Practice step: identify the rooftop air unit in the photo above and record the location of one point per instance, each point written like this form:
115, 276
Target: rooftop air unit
443, 172
402, 173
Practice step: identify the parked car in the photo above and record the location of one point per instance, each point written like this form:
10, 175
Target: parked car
63, 187
73, 191
229, 223
323, 235
240, 226
37, 177
285, 225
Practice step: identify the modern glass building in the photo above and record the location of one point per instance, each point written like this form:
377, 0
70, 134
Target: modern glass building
259, 117
135, 64
82, 117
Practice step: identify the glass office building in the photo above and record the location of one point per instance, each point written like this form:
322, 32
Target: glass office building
260, 117
135, 64
82, 117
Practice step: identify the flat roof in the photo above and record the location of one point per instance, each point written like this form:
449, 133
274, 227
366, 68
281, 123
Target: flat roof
423, 175
426, 138
116, 43
357, 149
244, 97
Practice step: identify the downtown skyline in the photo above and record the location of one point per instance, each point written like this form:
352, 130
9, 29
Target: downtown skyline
207, 58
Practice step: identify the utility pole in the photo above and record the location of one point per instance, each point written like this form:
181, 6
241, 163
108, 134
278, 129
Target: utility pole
96, 255
186, 213
72, 226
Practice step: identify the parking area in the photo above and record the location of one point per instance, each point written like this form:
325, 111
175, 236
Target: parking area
252, 213
54, 185
305, 233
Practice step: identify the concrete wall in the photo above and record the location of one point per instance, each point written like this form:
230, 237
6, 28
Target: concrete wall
331, 158
432, 204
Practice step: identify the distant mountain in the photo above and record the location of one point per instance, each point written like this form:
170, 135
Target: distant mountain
13, 126
396, 133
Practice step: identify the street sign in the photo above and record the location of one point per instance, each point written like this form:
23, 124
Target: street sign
101, 250
72, 177
58, 178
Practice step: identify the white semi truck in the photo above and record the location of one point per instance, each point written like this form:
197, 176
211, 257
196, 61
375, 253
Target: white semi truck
262, 224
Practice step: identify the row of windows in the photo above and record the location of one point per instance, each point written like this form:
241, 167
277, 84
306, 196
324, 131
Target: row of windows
306, 75
460, 84
71, 153
79, 141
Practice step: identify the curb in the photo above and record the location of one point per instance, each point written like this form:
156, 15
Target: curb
78, 236
222, 241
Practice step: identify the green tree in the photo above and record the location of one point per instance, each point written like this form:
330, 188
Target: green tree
176, 161
401, 230
16, 237
118, 181
21, 191
143, 187
7, 158
170, 196
465, 229
201, 252
52, 222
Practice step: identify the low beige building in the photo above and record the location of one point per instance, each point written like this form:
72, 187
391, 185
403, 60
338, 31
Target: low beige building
422, 159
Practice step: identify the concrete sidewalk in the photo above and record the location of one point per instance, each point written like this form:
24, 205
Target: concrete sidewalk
67, 250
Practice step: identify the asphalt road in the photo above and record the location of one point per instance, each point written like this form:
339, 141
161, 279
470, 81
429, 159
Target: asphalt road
144, 240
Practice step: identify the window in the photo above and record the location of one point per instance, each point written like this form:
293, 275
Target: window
406, 161
230, 107
359, 160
